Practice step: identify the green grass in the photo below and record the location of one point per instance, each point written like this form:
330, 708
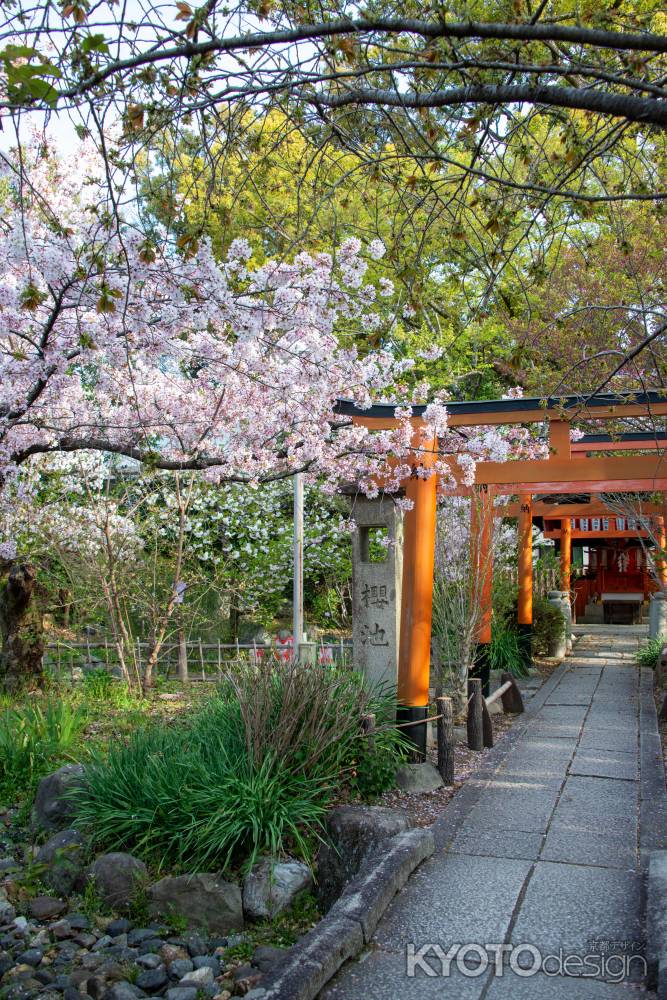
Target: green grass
252, 770
34, 740
649, 652
505, 653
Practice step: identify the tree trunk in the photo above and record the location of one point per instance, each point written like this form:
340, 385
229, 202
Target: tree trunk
21, 629
183, 675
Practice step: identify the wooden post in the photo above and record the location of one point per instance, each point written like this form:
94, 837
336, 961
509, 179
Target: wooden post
525, 608
565, 553
417, 597
487, 725
368, 728
201, 660
445, 729
475, 723
219, 660
511, 699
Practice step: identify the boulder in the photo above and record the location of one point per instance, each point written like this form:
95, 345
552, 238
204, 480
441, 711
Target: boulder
418, 778
117, 877
62, 856
53, 809
46, 907
204, 900
354, 833
271, 886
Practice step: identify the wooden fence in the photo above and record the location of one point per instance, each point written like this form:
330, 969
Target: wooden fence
205, 660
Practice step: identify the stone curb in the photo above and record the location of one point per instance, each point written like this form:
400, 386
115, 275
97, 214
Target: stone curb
350, 922
656, 923
652, 792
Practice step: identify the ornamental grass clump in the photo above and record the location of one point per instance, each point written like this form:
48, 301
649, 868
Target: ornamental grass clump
35, 739
253, 770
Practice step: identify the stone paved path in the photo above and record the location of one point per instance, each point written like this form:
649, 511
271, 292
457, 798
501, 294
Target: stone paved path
546, 846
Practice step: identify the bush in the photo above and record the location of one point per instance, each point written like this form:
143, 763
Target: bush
548, 625
252, 770
33, 740
505, 652
649, 652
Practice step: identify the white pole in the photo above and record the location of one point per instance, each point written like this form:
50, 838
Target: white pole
297, 593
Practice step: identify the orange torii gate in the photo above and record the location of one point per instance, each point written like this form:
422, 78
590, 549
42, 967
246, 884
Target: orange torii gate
569, 469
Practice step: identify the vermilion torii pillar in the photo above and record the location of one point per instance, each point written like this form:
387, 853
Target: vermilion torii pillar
525, 606
414, 651
565, 553
481, 565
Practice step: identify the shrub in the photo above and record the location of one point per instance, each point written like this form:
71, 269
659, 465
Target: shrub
548, 625
252, 770
33, 739
649, 652
505, 652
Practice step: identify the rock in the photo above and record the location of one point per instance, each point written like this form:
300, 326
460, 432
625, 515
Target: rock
7, 912
265, 957
46, 907
62, 930
96, 987
203, 900
139, 935
180, 967
418, 778
33, 956
62, 855
79, 921
149, 961
53, 809
85, 940
120, 991
206, 961
120, 926
182, 993
152, 980
8, 865
196, 945
102, 942
117, 877
270, 888
198, 978
172, 953
354, 834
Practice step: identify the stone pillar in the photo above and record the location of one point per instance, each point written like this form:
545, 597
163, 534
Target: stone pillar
376, 589
657, 615
561, 598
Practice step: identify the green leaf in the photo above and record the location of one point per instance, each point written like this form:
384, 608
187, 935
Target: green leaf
94, 43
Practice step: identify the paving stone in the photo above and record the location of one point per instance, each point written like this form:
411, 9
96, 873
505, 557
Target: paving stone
520, 805
541, 987
440, 902
498, 843
585, 803
585, 847
572, 907
605, 764
383, 975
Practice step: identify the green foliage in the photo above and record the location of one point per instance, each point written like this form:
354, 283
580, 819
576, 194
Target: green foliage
649, 652
548, 625
99, 686
33, 740
505, 652
252, 770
